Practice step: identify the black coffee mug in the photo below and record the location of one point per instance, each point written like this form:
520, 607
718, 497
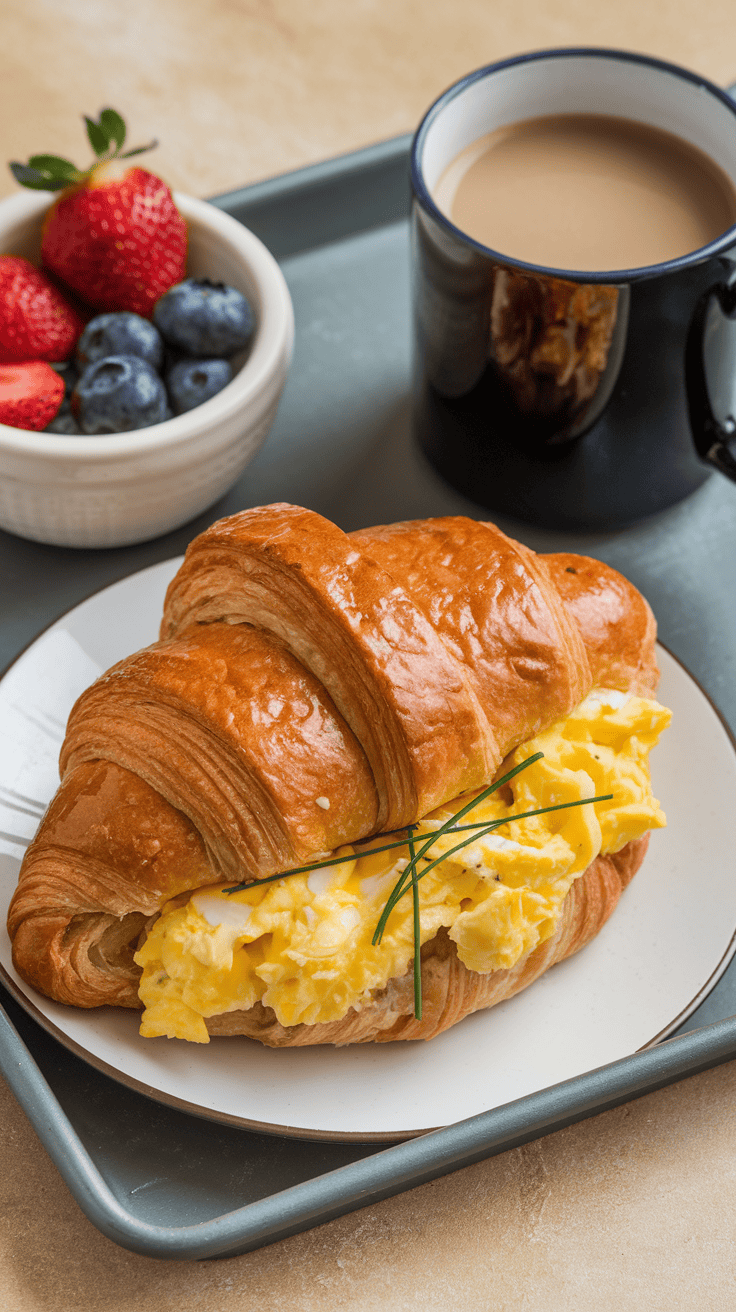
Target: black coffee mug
572, 400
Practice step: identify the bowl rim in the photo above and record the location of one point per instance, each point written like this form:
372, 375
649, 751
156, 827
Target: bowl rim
263, 368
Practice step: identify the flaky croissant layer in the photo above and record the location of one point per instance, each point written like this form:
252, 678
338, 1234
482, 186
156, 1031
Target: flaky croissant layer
310, 688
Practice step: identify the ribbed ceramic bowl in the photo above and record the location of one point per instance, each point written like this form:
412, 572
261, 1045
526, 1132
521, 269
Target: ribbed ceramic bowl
120, 488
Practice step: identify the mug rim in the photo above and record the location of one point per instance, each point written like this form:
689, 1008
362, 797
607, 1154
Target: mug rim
596, 277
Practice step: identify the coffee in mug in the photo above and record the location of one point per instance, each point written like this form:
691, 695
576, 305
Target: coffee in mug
588, 192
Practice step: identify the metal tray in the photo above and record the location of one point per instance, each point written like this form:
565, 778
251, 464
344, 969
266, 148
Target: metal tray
167, 1184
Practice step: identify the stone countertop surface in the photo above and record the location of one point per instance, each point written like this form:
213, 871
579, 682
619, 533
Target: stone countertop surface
633, 1209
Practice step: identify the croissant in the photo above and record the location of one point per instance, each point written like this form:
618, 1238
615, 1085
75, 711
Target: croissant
311, 688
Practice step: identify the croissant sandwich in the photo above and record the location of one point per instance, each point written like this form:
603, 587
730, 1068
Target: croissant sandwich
239, 799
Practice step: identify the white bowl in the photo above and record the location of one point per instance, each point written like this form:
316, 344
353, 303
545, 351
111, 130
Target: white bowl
112, 490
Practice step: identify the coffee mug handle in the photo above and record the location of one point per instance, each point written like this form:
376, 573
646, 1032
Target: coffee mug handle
710, 377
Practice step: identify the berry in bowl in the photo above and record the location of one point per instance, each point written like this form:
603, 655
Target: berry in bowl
150, 424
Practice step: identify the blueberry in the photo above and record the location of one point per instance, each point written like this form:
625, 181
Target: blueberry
118, 394
65, 423
190, 382
120, 334
204, 318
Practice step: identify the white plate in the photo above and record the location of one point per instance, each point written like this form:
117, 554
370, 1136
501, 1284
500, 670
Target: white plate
670, 939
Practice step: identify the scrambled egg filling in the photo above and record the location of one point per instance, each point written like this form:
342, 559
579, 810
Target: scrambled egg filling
302, 945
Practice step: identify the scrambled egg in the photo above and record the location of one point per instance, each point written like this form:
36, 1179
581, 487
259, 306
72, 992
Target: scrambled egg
302, 945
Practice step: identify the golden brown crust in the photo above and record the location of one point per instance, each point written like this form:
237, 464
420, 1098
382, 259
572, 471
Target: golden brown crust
616, 623
292, 573
495, 608
230, 729
212, 752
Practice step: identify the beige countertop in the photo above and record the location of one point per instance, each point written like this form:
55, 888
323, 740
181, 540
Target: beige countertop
633, 1209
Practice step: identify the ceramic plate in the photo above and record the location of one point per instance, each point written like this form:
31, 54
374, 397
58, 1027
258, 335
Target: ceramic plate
670, 939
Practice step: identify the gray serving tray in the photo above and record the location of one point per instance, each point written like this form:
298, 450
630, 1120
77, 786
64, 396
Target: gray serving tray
167, 1184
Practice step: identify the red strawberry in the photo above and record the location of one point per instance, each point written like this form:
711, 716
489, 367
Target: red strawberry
30, 394
36, 323
120, 242
114, 235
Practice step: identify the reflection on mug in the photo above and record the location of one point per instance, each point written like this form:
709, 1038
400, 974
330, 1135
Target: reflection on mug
550, 343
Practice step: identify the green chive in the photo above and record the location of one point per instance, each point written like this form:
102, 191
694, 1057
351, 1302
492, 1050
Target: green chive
404, 878
496, 824
343, 860
417, 935
319, 865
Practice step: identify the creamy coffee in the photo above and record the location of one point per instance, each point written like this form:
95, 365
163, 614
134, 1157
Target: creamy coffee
587, 192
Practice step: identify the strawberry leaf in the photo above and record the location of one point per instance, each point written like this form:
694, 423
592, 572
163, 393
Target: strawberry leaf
113, 126
54, 166
139, 150
52, 173
42, 179
98, 138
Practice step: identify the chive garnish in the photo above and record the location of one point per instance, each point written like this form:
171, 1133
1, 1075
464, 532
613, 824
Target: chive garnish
320, 865
417, 933
401, 887
490, 825
411, 875
446, 828
343, 860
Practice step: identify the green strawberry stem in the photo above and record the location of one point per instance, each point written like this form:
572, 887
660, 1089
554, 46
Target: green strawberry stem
53, 173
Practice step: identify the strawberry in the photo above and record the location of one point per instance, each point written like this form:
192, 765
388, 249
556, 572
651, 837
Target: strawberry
114, 235
36, 323
30, 394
